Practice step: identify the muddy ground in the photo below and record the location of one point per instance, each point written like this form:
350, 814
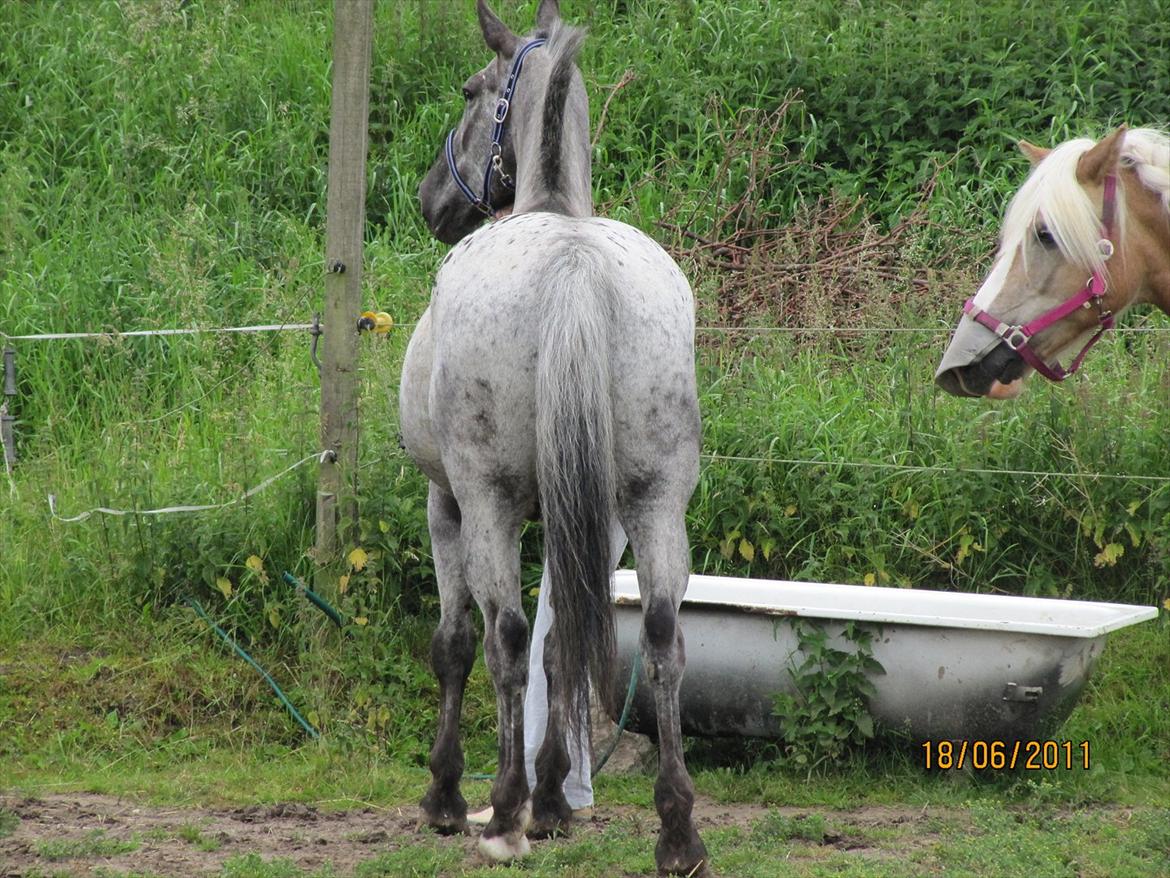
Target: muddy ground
93, 835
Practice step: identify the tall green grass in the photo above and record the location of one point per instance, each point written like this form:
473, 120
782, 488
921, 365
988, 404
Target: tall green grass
894, 484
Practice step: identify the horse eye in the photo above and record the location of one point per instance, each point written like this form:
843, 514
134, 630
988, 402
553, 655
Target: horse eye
467, 95
1044, 236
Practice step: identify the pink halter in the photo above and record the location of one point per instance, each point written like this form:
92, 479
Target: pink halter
1018, 337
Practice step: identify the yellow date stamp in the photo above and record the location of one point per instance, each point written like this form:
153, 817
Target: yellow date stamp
1026, 755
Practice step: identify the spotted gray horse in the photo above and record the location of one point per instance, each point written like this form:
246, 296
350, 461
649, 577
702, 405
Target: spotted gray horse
552, 375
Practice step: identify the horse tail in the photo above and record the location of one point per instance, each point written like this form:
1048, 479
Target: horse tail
575, 471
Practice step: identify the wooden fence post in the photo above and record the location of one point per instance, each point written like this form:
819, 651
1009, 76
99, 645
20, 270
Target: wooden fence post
337, 513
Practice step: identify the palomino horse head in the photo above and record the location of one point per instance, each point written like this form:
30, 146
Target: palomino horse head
475, 175
1087, 236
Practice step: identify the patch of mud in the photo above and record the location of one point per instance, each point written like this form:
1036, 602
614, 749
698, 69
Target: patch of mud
90, 835
848, 831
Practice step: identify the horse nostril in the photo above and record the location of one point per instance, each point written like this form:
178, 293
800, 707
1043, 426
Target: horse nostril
952, 381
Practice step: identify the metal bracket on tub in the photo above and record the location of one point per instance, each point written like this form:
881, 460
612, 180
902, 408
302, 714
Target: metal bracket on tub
1028, 694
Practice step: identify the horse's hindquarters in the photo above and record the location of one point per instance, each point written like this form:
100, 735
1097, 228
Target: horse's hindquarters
491, 308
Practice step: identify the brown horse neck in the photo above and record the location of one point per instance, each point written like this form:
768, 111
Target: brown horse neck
1147, 247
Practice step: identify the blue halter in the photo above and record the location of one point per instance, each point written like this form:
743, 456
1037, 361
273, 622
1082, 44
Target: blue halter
495, 161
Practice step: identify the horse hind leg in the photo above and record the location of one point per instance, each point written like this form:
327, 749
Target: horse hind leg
491, 536
658, 536
551, 811
452, 655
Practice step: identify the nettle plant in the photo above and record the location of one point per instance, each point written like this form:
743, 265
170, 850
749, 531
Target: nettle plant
828, 716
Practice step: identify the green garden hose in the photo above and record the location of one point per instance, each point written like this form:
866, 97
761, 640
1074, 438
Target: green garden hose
313, 733
319, 602
621, 726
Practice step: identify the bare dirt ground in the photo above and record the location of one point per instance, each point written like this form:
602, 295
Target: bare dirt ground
82, 834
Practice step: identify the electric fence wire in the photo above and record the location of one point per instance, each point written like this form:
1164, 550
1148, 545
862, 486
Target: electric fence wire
938, 470
319, 456
113, 335
274, 328
711, 456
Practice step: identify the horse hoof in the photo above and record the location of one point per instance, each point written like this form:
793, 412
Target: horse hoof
690, 862
551, 816
698, 870
504, 848
549, 828
447, 825
446, 814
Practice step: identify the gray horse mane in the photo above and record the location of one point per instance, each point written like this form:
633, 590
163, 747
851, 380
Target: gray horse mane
564, 43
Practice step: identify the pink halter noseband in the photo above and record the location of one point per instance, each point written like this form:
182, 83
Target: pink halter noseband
1018, 337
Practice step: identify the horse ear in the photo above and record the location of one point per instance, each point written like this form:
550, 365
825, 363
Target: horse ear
548, 14
1101, 159
496, 34
1035, 154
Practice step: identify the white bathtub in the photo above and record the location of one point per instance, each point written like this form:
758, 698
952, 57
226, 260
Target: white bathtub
957, 666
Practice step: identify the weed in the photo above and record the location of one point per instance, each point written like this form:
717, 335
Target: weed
255, 866
192, 834
9, 820
828, 715
776, 827
95, 844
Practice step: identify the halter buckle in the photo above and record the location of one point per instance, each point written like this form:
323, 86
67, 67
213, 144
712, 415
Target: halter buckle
502, 107
1105, 248
1015, 338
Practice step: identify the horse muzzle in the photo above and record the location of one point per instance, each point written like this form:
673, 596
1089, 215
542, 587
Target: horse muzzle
977, 362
